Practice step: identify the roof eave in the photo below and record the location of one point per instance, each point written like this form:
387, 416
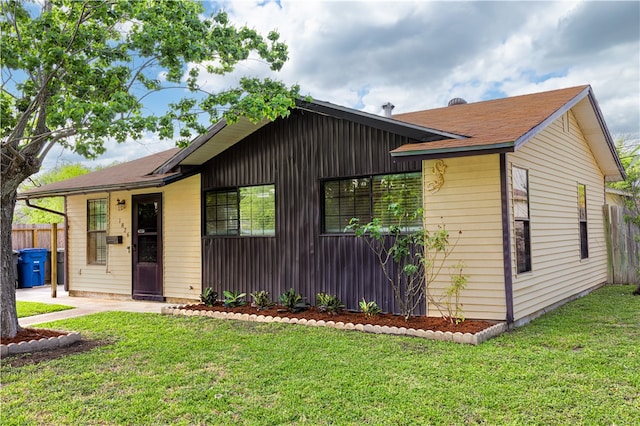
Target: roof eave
610, 143
426, 154
155, 183
175, 161
586, 93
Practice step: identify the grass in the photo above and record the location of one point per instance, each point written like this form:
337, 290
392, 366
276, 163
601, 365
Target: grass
577, 365
27, 309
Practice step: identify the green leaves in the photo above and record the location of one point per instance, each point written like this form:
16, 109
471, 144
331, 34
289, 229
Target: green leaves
234, 299
261, 299
293, 301
418, 256
329, 303
209, 296
369, 309
87, 68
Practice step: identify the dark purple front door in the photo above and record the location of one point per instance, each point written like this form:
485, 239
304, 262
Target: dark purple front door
147, 247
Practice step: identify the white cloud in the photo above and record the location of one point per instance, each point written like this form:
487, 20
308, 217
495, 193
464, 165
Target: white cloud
420, 54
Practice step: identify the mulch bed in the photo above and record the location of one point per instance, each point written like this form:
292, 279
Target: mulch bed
415, 322
28, 334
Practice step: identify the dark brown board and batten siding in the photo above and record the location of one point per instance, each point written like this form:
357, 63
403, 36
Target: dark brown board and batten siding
297, 154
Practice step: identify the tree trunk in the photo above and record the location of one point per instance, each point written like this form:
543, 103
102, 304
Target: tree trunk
9, 315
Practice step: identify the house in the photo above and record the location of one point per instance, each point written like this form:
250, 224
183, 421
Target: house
263, 206
527, 188
128, 233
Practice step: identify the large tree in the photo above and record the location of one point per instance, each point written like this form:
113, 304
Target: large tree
80, 73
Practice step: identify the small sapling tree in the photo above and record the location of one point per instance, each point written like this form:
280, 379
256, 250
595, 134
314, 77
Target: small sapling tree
411, 259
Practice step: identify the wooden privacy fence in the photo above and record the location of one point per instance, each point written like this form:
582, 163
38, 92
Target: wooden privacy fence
623, 246
38, 236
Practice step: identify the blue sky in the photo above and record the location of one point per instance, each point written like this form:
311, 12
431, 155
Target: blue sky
420, 54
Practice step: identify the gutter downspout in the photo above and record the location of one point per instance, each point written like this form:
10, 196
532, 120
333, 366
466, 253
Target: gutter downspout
66, 241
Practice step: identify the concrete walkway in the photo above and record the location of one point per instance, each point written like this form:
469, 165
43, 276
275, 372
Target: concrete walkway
83, 305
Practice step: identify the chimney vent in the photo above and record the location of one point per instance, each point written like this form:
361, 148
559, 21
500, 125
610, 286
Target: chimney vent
456, 101
388, 107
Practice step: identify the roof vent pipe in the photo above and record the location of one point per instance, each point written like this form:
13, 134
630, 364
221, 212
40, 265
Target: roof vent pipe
456, 101
387, 108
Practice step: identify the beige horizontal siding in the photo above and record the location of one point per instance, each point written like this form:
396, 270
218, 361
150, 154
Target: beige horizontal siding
469, 201
182, 249
557, 161
83, 277
181, 242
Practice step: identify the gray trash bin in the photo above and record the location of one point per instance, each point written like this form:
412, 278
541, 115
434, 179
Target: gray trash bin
60, 263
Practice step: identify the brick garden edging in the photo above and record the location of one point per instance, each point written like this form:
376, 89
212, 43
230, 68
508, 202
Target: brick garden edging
468, 338
39, 345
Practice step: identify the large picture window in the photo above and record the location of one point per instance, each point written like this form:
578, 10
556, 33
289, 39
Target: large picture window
244, 211
582, 214
97, 231
370, 197
520, 183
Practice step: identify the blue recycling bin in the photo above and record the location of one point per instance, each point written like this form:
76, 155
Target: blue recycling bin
31, 267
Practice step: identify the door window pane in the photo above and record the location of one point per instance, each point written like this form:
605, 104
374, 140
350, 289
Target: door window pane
147, 249
148, 217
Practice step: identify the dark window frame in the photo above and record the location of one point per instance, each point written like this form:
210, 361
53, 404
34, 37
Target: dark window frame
582, 221
237, 230
370, 200
97, 219
522, 222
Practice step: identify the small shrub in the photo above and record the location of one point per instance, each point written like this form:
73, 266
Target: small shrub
261, 299
209, 297
328, 303
450, 301
293, 301
233, 299
369, 309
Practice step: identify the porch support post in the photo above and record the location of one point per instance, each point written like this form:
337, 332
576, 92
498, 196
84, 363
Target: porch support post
54, 260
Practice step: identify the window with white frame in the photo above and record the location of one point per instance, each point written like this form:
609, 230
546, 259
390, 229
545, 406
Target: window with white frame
582, 215
520, 182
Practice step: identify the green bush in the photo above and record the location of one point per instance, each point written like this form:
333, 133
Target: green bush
293, 301
328, 303
261, 299
209, 297
234, 299
369, 309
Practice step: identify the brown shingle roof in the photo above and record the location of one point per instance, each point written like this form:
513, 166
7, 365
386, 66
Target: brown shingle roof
129, 175
496, 123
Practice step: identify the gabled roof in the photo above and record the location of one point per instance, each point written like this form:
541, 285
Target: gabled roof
130, 175
500, 125
222, 135
504, 125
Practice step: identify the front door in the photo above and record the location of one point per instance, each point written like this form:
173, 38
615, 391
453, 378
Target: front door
147, 247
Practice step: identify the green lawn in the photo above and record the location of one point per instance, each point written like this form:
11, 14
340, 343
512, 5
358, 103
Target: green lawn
27, 309
577, 365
